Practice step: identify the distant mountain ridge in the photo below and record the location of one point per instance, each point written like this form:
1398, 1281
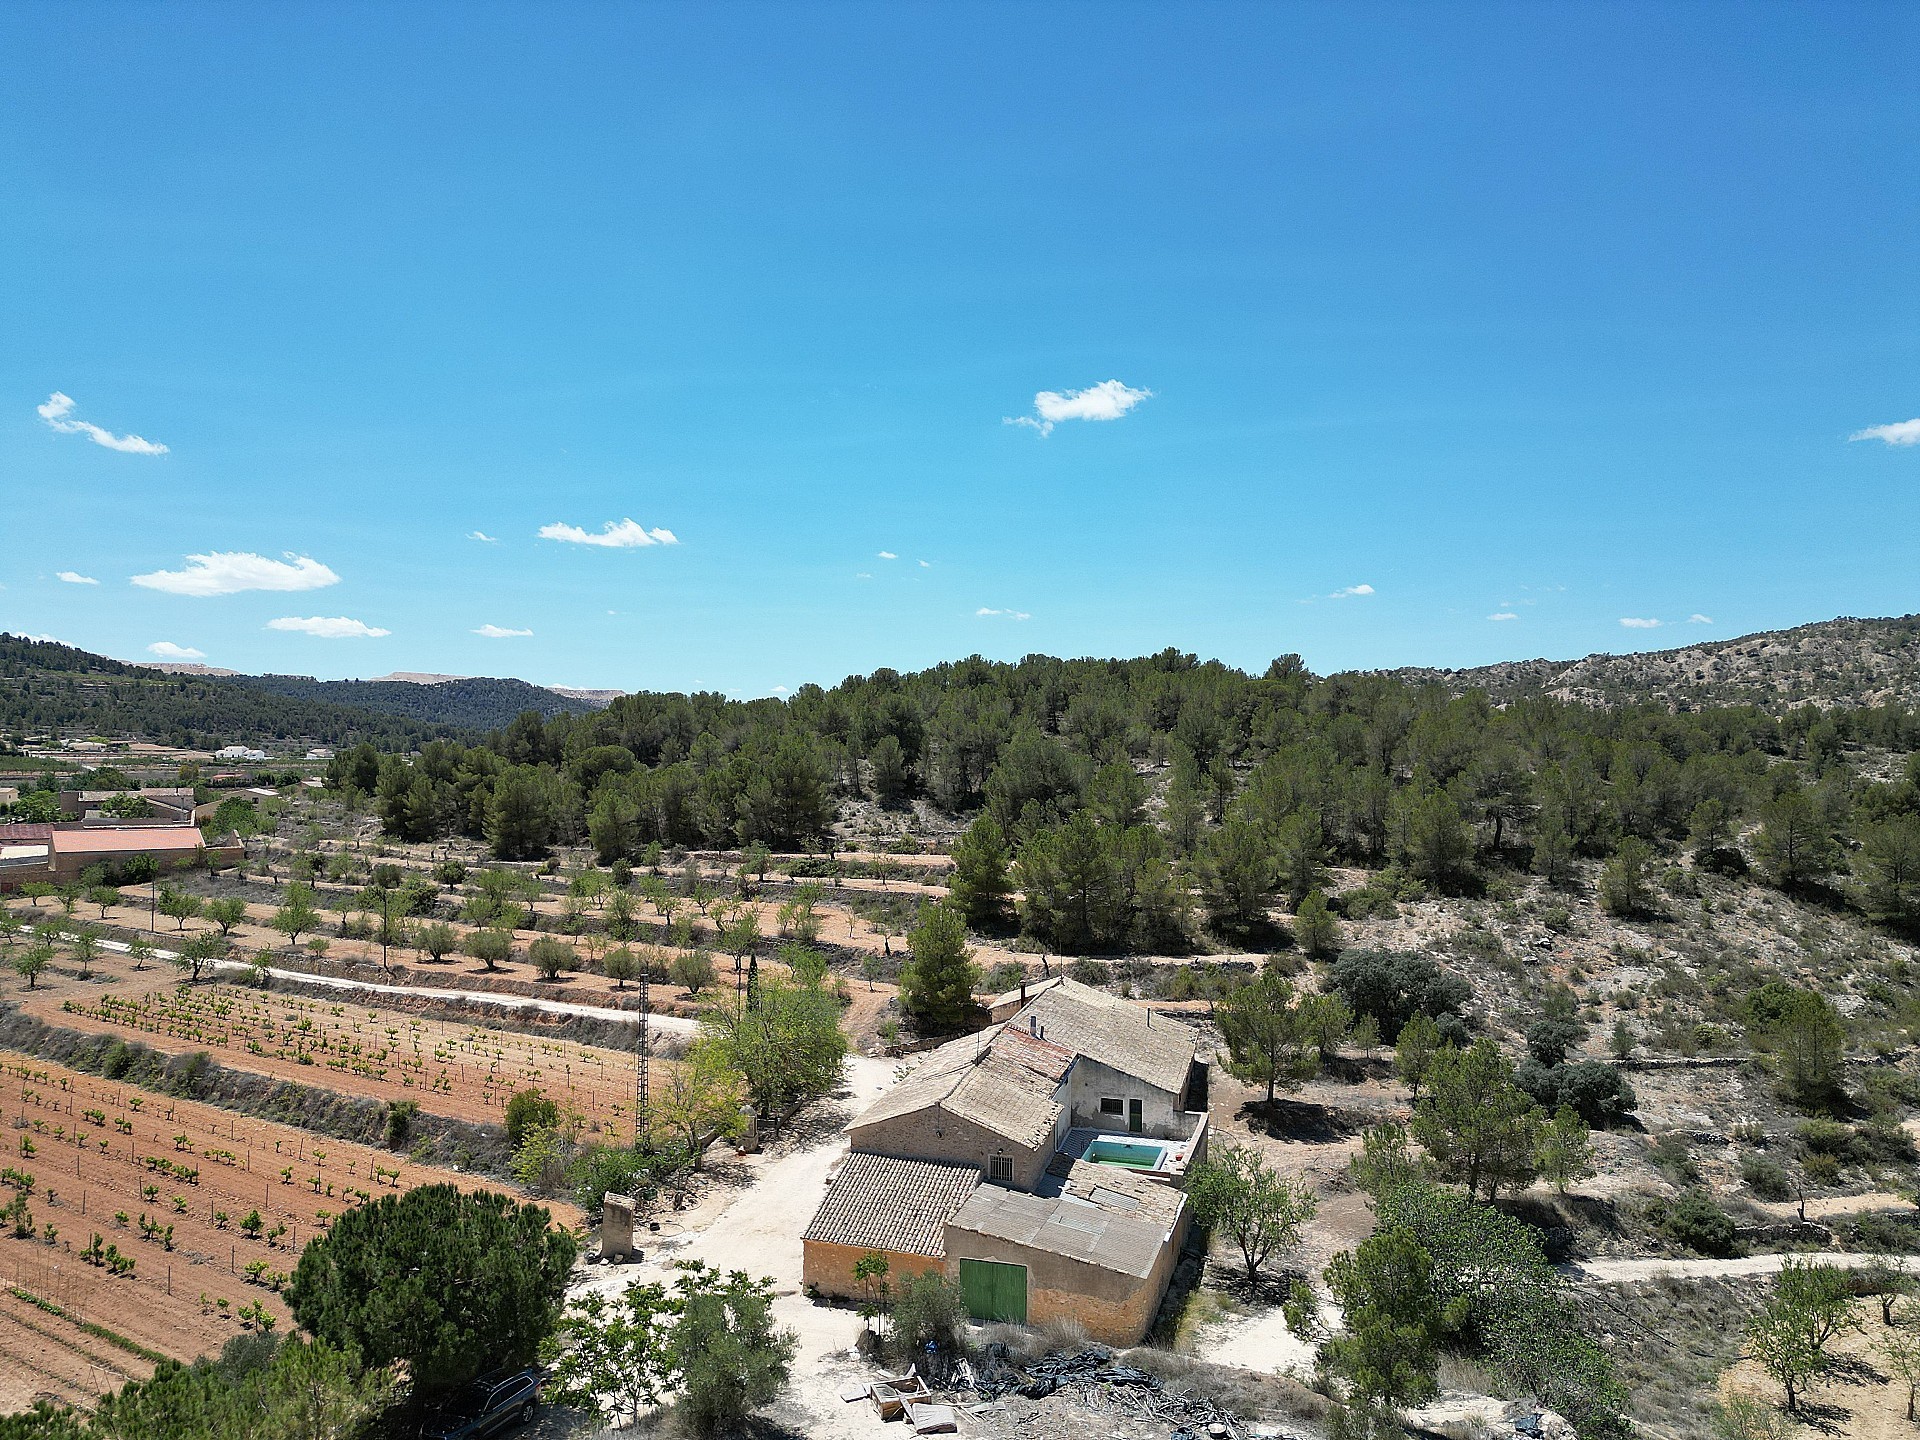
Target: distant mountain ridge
50, 688
469, 702
1844, 662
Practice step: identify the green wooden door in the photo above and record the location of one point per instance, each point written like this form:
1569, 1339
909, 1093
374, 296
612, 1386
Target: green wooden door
994, 1291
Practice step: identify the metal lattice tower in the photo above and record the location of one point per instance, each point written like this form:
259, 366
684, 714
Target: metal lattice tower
640, 1127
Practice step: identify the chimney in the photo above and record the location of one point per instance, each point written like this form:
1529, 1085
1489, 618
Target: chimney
1033, 1025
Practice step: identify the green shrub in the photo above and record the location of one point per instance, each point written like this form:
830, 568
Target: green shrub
1821, 1169
1089, 972
1765, 1177
528, 1110
400, 1115
928, 1309
1700, 1225
1829, 1137
1673, 1158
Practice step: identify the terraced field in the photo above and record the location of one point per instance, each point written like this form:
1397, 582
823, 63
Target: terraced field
131, 1198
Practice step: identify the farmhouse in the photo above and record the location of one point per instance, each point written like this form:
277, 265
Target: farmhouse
57, 854
168, 805
1039, 1163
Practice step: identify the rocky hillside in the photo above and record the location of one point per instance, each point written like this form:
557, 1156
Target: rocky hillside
1842, 662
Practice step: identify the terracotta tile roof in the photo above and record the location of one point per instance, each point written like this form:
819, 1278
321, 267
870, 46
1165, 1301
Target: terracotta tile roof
1119, 1034
1011, 1091
999, 1080
876, 1202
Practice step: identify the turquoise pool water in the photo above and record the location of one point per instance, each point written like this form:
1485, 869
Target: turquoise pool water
1125, 1152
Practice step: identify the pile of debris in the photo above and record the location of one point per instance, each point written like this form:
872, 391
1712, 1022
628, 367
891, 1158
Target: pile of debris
1099, 1382
905, 1397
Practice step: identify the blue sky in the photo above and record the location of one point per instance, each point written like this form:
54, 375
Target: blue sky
1563, 313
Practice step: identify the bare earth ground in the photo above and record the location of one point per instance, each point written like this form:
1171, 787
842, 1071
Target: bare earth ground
88, 1171
462, 1071
1859, 1400
757, 1227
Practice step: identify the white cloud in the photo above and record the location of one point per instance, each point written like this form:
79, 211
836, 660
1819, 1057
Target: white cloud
58, 410
926, 564
328, 627
167, 650
1901, 432
989, 612
863, 575
227, 572
888, 555
1699, 619
483, 537
1633, 624
781, 690
614, 535
1109, 400
74, 577
500, 632
1503, 615
1351, 590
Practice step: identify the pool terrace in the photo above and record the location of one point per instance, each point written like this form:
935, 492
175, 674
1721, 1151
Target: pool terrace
1150, 1156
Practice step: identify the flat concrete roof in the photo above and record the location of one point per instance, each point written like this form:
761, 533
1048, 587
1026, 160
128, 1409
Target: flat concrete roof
1099, 1228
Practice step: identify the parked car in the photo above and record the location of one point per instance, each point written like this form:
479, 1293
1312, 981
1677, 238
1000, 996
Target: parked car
491, 1405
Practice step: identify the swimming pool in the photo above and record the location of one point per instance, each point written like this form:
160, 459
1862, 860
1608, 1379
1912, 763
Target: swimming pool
1134, 1154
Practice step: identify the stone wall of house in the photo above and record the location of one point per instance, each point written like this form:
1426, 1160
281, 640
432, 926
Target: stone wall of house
1115, 1308
828, 1268
934, 1134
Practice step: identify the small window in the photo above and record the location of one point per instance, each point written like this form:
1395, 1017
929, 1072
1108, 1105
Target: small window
1111, 1105
1000, 1169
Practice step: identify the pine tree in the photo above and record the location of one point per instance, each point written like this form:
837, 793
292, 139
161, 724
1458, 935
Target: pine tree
936, 987
981, 883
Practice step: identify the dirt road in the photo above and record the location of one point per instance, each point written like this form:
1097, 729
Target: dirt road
758, 1230
1638, 1271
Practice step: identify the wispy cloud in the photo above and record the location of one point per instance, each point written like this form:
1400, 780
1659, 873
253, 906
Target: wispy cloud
483, 537
167, 650
614, 535
58, 413
328, 627
1635, 624
1503, 615
1901, 432
1350, 591
988, 612
1699, 619
888, 555
926, 564
1109, 400
228, 572
500, 632
74, 577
